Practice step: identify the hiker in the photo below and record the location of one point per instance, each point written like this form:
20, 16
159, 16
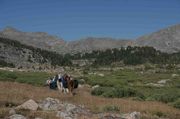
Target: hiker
51, 83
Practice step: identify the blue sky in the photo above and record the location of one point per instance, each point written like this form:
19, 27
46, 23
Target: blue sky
75, 19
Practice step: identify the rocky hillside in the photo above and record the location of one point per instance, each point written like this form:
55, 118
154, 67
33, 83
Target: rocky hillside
36, 39
166, 40
15, 54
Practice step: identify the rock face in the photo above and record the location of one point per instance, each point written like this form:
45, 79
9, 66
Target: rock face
166, 40
30, 105
22, 56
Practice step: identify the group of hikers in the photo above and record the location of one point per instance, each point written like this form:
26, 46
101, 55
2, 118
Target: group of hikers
64, 83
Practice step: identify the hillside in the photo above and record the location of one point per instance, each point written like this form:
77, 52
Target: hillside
166, 40
16, 54
53, 43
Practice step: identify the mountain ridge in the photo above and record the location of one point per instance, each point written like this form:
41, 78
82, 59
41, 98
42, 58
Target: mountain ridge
165, 40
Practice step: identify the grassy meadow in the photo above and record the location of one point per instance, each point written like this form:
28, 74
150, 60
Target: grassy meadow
122, 90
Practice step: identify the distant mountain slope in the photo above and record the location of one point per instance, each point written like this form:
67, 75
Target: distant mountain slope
36, 39
48, 42
92, 43
166, 40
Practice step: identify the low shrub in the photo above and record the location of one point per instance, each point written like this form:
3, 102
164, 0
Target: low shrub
165, 97
176, 104
116, 92
159, 114
111, 108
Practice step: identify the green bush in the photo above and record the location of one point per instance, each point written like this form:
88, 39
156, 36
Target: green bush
99, 91
11, 75
116, 92
165, 97
159, 114
176, 104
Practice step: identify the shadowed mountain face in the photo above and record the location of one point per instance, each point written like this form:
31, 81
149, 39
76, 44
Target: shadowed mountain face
166, 40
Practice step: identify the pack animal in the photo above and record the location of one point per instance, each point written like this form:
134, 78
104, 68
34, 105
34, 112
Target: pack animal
66, 84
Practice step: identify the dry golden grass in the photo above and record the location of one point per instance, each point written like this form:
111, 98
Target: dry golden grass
17, 93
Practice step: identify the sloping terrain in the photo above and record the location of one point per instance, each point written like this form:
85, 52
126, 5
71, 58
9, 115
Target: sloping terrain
35, 39
53, 43
13, 94
25, 56
166, 40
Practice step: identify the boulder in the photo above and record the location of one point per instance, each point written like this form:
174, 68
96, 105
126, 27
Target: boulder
12, 111
102, 75
50, 104
175, 75
30, 105
70, 111
155, 84
133, 115
163, 81
65, 115
96, 86
17, 116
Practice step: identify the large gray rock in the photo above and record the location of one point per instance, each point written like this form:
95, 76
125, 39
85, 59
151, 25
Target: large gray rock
30, 105
163, 81
12, 111
70, 111
50, 104
17, 116
133, 115
65, 115
96, 86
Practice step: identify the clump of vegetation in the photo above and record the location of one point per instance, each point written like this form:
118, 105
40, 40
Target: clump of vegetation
111, 108
166, 97
34, 78
116, 92
176, 104
159, 114
6, 64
